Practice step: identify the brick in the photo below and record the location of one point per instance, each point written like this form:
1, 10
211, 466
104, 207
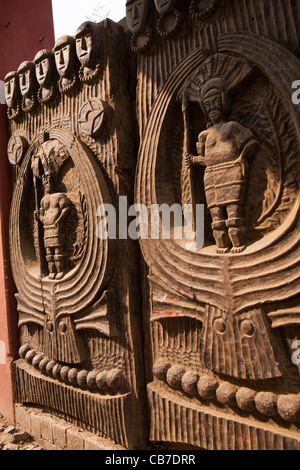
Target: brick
46, 429
92, 443
60, 434
36, 425
75, 440
23, 420
47, 445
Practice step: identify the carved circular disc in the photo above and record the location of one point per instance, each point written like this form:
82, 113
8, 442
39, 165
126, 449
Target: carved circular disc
16, 148
92, 117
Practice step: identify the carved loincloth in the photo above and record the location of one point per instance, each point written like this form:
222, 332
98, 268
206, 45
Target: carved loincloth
51, 237
225, 184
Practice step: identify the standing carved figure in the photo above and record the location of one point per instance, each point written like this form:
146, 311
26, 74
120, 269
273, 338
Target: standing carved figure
52, 213
224, 149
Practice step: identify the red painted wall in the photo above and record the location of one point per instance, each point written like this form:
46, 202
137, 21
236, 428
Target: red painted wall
26, 26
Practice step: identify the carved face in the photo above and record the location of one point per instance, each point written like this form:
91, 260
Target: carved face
64, 53
137, 12
11, 90
26, 78
48, 183
213, 104
87, 43
163, 6
43, 71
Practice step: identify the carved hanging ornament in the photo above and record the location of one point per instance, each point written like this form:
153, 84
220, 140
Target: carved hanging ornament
205, 10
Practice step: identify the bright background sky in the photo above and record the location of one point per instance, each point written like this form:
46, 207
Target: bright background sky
69, 14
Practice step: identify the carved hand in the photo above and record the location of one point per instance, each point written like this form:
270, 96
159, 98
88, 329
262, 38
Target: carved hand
188, 159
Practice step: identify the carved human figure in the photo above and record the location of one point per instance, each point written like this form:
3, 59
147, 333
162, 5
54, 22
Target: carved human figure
137, 12
54, 209
66, 61
12, 94
164, 6
45, 74
88, 48
224, 149
28, 84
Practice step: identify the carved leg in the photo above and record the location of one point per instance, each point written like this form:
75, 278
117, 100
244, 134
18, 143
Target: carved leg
60, 263
236, 227
220, 230
51, 263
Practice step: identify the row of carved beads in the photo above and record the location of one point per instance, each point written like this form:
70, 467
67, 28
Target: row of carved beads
209, 388
170, 21
105, 381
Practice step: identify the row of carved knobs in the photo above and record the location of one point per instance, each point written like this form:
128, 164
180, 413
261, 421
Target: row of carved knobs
112, 380
209, 388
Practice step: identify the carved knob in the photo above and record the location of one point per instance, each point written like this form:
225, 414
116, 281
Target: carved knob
289, 408
174, 376
207, 387
101, 380
189, 383
161, 368
24, 350
115, 379
81, 378
245, 399
266, 403
226, 394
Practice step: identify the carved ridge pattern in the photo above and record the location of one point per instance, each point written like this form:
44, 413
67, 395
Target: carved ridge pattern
209, 429
210, 389
233, 267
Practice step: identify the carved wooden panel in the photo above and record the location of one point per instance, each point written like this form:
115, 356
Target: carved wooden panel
218, 128
72, 148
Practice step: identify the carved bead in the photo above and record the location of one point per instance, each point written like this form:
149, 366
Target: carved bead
266, 403
161, 368
248, 328
174, 376
207, 387
24, 350
91, 379
49, 367
64, 373
115, 379
43, 364
56, 371
101, 380
289, 408
245, 399
189, 383
72, 376
226, 394
81, 378
36, 360
220, 325
30, 355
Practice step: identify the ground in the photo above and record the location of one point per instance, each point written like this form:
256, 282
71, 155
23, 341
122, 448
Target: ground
13, 439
